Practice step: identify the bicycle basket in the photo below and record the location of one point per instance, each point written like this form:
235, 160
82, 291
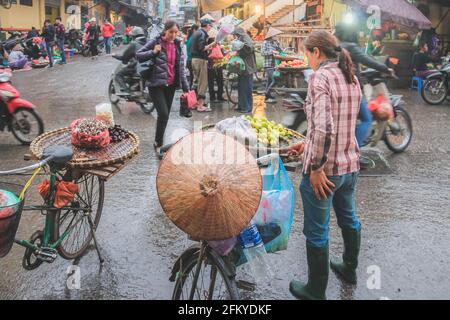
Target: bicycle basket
10, 213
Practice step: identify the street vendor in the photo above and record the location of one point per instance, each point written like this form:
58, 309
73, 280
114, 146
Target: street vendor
330, 163
270, 47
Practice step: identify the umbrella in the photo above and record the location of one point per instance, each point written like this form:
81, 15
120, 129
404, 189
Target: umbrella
209, 185
398, 10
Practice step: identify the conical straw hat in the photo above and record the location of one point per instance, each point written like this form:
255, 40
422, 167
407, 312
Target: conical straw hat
208, 16
209, 185
272, 32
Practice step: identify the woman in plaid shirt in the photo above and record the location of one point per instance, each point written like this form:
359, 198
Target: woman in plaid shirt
330, 163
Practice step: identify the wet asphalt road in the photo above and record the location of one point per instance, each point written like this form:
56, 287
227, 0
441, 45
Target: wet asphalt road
404, 205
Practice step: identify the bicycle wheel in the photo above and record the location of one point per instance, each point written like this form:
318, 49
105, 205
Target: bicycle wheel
75, 222
214, 281
231, 88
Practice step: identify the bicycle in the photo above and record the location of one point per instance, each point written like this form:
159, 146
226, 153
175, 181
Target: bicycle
202, 265
69, 230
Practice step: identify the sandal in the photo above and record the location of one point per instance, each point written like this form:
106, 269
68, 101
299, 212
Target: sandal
204, 109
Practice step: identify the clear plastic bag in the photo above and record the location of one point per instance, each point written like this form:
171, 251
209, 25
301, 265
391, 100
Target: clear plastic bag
238, 128
104, 113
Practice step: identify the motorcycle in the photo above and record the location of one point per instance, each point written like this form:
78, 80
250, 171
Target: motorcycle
74, 39
436, 87
12, 41
138, 91
396, 133
16, 114
117, 39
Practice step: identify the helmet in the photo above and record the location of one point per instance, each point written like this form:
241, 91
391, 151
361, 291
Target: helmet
136, 32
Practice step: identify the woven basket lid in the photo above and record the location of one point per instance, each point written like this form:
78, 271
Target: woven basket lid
209, 185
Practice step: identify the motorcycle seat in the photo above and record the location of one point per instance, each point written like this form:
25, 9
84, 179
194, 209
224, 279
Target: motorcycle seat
370, 73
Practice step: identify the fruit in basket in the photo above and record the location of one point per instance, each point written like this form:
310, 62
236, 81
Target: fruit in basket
269, 132
117, 133
90, 133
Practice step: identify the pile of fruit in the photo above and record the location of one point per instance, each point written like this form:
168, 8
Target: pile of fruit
90, 133
117, 133
268, 132
293, 64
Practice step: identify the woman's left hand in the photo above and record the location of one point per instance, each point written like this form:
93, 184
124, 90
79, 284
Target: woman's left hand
321, 185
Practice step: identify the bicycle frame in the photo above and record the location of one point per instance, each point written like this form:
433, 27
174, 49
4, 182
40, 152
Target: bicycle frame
50, 218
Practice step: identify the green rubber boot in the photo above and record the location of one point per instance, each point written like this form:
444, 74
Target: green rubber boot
347, 268
318, 269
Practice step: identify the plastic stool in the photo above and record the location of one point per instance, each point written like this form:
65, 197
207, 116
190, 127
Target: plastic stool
416, 83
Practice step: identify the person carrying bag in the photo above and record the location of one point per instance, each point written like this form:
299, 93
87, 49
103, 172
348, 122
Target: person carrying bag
168, 74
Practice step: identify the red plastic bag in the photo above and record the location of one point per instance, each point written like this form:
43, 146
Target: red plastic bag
65, 192
216, 53
189, 99
381, 108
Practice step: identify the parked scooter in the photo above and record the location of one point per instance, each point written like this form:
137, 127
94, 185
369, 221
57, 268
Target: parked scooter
138, 91
436, 87
74, 39
16, 114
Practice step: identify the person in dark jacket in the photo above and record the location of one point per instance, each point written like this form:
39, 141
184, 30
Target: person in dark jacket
48, 33
420, 60
191, 32
168, 74
60, 32
93, 34
215, 75
32, 33
245, 80
349, 41
128, 58
199, 51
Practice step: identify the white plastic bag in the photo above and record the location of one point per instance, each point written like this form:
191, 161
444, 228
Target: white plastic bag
238, 128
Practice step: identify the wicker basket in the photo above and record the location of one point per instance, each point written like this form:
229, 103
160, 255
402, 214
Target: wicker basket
258, 151
115, 152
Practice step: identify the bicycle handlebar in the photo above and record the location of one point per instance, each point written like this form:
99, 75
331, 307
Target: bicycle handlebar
40, 164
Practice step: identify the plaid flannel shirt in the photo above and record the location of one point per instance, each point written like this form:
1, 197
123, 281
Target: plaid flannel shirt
268, 47
332, 108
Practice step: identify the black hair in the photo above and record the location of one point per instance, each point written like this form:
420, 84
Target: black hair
58, 18
422, 44
192, 29
329, 46
170, 24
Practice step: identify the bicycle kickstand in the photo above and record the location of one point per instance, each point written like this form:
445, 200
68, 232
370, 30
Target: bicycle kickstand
94, 236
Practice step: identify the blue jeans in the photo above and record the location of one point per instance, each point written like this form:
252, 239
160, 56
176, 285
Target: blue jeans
108, 41
245, 92
317, 212
49, 48
365, 117
61, 48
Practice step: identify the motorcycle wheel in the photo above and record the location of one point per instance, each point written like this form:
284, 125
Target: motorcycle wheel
112, 93
399, 132
429, 93
26, 125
